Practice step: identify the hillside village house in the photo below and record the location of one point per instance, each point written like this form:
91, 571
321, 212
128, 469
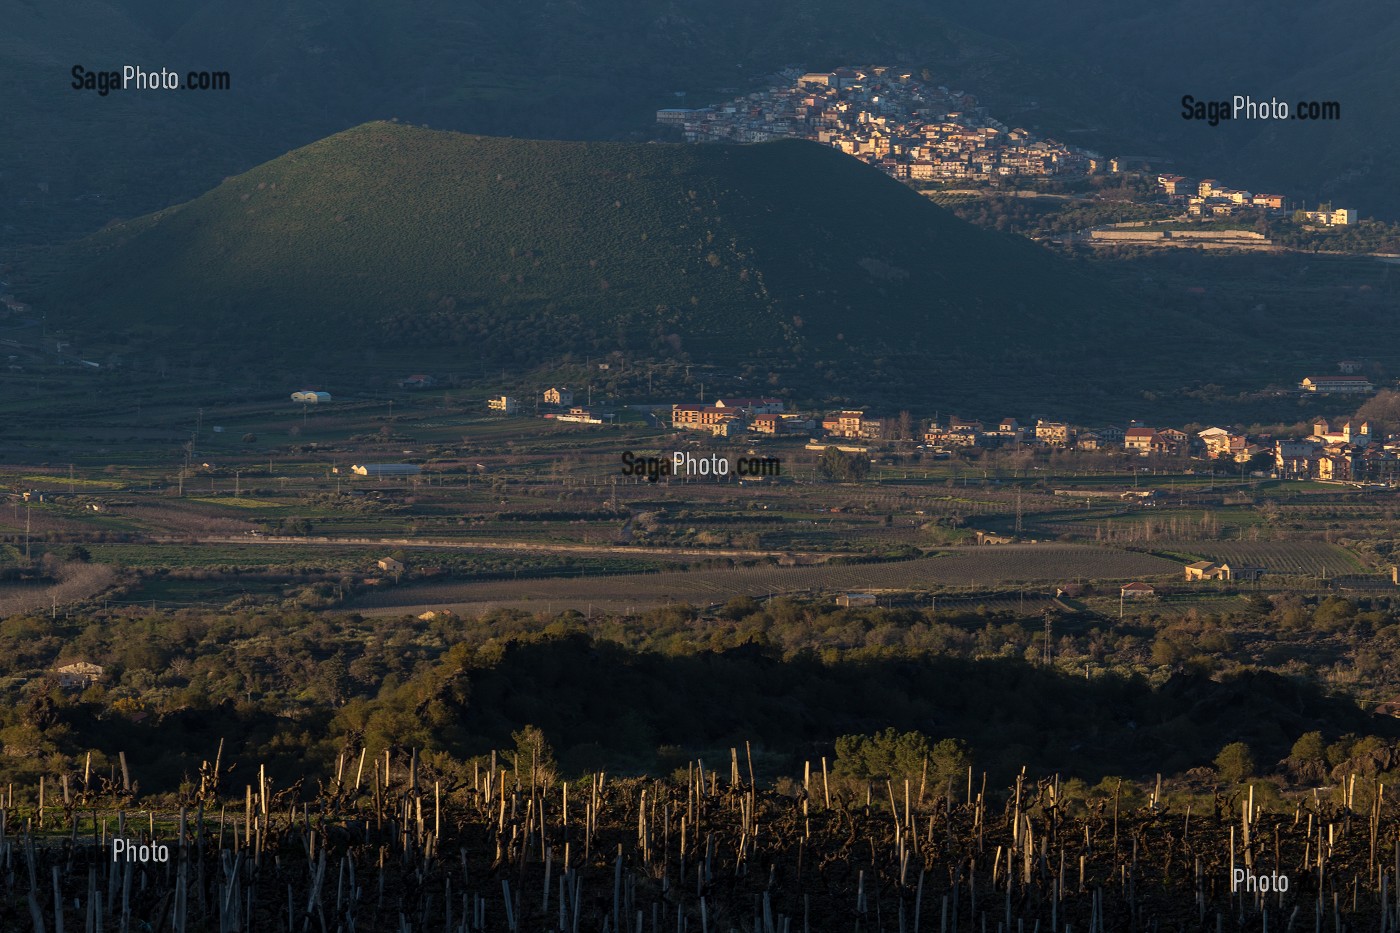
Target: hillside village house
780, 424
853, 423
1147, 441
1352, 384
1170, 440
559, 396
1219, 442
417, 382
1139, 440
505, 404
1340, 217
389, 565
1053, 433
958, 433
1137, 591
699, 417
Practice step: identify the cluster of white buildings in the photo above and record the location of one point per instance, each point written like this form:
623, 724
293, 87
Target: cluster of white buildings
1208, 198
890, 119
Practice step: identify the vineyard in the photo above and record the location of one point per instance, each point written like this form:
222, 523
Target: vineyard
1295, 558
390, 844
989, 566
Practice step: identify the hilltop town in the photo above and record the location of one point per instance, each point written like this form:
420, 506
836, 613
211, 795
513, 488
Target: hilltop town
935, 137
892, 120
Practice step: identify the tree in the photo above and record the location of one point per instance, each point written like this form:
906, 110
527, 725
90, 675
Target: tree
1309, 747
740, 607
948, 760
887, 755
1235, 762
842, 468
533, 758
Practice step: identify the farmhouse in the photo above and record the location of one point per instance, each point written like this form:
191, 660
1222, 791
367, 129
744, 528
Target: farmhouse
417, 382
505, 404
1138, 591
79, 674
582, 415
390, 565
1207, 570
558, 395
1349, 385
989, 537
856, 599
385, 469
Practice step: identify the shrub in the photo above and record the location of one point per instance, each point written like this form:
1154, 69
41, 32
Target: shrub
1235, 762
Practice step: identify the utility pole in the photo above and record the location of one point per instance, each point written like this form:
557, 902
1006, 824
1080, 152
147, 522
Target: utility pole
237, 483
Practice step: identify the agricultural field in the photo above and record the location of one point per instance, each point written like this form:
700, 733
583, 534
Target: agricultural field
1294, 558
526, 512
988, 567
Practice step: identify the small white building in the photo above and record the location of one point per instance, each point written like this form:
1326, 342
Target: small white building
311, 397
1341, 217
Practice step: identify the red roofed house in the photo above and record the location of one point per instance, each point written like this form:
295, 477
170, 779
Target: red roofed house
1139, 440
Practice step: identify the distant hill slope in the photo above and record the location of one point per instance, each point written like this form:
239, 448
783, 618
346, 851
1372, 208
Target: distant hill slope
502, 250
1110, 78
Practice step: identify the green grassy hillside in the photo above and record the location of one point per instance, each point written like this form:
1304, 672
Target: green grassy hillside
515, 252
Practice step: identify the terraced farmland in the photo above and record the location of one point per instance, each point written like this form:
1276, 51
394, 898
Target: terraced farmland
977, 567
